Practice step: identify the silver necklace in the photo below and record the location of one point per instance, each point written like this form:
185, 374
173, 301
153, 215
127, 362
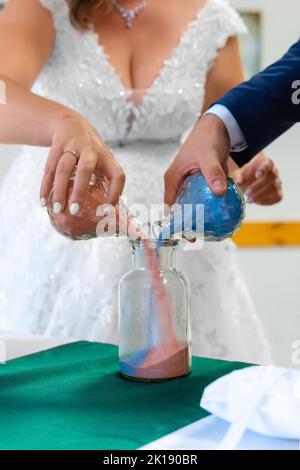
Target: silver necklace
127, 14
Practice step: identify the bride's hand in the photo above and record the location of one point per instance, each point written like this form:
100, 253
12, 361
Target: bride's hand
75, 133
260, 180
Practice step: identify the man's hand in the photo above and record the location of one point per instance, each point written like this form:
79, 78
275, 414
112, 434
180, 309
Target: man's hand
207, 149
260, 180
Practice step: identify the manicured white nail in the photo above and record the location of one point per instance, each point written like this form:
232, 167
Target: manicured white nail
43, 202
74, 208
57, 208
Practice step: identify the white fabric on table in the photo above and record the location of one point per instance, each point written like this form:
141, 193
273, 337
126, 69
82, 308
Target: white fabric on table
263, 399
207, 433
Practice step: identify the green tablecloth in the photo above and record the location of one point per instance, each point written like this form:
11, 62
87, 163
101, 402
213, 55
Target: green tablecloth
72, 397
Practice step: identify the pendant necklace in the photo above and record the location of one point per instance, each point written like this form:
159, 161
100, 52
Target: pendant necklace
127, 14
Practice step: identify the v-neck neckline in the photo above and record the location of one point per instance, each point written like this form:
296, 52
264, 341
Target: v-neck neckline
125, 91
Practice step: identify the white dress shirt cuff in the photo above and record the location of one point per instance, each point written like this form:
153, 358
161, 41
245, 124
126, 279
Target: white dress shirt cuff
237, 139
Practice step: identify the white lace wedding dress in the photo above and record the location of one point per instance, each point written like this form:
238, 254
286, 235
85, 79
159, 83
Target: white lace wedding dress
53, 286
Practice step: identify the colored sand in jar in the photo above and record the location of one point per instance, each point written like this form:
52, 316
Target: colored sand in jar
169, 358
162, 362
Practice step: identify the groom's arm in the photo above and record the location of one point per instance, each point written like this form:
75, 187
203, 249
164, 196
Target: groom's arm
262, 109
258, 112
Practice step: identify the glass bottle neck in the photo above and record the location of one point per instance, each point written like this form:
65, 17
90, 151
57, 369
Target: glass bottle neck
156, 255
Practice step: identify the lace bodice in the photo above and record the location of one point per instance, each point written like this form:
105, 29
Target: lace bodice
80, 76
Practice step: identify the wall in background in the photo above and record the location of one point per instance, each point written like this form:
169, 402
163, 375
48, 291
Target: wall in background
272, 276
251, 42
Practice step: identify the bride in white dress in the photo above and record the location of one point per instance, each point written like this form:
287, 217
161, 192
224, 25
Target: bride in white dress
51, 285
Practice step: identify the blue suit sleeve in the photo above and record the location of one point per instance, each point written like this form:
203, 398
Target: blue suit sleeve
266, 106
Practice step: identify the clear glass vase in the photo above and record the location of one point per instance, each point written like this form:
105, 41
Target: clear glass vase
154, 305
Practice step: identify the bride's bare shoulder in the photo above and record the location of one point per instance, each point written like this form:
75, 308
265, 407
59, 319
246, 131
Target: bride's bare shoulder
31, 9
27, 36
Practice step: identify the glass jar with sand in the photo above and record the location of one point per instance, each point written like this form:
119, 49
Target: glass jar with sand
154, 304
